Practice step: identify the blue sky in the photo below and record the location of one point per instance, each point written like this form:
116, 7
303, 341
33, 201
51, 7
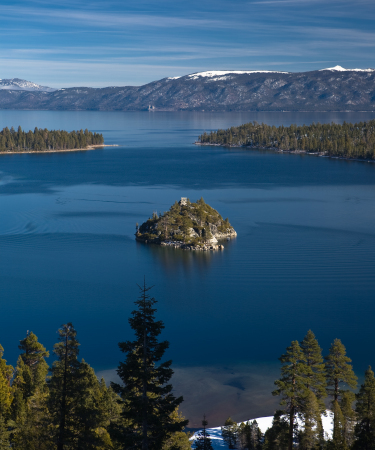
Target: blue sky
132, 42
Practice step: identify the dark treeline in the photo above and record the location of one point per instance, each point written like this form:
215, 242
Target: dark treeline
308, 384
65, 406
346, 140
42, 140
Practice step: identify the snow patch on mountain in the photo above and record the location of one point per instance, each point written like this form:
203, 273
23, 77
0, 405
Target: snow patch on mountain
222, 73
263, 423
342, 69
16, 84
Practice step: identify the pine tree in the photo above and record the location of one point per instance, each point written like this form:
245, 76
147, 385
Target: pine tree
292, 385
249, 436
33, 356
149, 402
339, 372
365, 408
30, 376
203, 440
338, 441
4, 435
276, 437
316, 372
230, 433
312, 435
346, 405
63, 385
178, 440
6, 373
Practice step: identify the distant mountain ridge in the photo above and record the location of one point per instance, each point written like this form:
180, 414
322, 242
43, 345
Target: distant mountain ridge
331, 89
16, 84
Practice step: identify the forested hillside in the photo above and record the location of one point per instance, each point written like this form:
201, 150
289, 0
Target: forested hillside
346, 140
46, 140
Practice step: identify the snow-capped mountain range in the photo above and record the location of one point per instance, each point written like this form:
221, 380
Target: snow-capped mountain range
16, 84
330, 89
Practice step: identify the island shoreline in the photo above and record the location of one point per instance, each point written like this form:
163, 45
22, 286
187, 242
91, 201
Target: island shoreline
90, 147
294, 152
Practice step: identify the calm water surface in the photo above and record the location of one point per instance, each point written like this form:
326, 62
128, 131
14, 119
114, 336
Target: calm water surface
304, 257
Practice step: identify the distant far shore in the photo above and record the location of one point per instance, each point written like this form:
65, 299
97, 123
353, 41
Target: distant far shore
90, 147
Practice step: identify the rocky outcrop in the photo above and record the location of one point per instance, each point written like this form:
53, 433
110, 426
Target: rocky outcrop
190, 226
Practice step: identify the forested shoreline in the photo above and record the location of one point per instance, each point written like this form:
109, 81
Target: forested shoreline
41, 140
346, 140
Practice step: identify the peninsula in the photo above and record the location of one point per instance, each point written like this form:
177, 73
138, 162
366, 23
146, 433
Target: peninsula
190, 226
43, 140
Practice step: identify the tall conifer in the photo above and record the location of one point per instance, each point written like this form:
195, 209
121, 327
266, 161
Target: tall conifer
63, 385
339, 374
6, 372
149, 402
203, 440
365, 408
230, 433
316, 371
291, 386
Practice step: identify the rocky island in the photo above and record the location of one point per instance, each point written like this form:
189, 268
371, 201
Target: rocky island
190, 226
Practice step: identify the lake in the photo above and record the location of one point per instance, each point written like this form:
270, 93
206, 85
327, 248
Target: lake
303, 259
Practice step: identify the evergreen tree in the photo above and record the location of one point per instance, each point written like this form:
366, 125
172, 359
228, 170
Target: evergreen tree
33, 429
339, 373
33, 356
312, 436
277, 437
148, 399
316, 372
337, 442
313, 433
63, 385
346, 405
291, 386
178, 440
230, 433
4, 435
6, 372
30, 377
203, 440
365, 408
249, 436
74, 398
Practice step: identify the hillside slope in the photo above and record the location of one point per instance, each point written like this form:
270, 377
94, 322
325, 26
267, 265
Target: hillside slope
333, 89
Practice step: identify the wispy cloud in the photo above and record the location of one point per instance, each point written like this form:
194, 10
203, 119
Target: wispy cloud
100, 19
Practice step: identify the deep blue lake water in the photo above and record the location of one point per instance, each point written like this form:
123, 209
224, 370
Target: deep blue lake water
304, 257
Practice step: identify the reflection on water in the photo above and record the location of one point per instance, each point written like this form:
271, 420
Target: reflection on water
185, 262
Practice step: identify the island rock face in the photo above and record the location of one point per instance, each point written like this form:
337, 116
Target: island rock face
191, 226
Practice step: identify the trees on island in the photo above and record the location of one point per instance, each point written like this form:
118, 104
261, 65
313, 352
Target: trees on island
346, 140
43, 139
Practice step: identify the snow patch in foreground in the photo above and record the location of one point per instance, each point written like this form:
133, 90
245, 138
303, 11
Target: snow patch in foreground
264, 423
341, 69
